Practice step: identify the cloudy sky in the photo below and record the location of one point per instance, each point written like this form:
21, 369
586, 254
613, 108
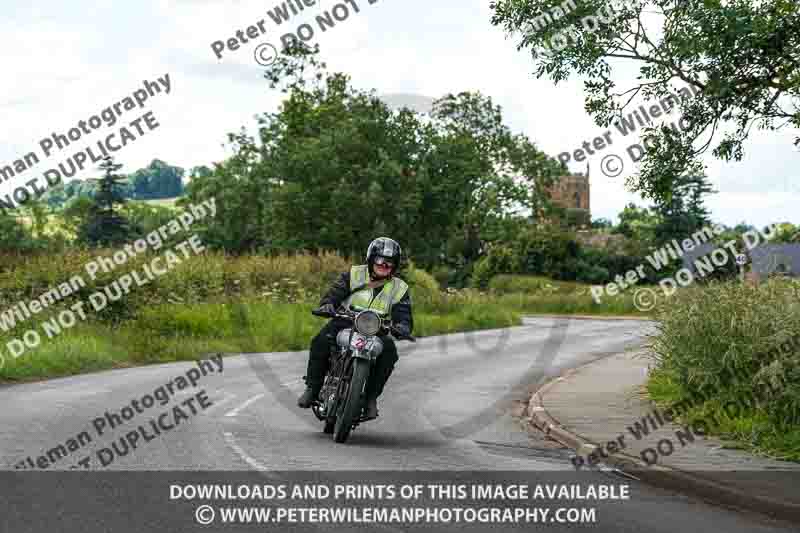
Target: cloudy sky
66, 61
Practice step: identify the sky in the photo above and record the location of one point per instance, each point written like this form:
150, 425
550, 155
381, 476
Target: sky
66, 61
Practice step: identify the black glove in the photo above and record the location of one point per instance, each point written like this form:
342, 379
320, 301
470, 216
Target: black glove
402, 329
328, 309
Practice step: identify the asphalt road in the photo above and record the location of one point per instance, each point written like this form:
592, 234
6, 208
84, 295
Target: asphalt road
450, 406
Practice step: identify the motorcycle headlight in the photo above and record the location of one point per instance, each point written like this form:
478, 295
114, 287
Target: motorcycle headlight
368, 323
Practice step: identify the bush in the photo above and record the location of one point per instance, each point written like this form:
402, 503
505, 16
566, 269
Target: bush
576, 217
211, 277
443, 275
588, 272
600, 266
500, 259
553, 253
419, 281
15, 237
546, 251
729, 341
147, 217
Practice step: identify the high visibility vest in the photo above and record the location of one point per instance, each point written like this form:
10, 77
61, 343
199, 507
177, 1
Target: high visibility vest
391, 292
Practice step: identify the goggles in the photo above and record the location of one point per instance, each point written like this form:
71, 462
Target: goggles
384, 262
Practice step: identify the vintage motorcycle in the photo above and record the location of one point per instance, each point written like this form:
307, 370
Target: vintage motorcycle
352, 357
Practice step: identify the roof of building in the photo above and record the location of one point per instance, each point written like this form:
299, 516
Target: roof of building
766, 258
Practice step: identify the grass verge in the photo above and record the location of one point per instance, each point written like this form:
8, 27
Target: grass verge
539, 295
177, 332
187, 313
728, 354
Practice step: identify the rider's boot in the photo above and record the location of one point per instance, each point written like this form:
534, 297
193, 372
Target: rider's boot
309, 396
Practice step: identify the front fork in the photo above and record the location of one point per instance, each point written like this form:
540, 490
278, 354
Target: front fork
335, 388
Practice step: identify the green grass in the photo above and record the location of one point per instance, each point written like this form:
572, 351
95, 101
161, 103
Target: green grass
540, 295
86, 348
726, 342
512, 283
749, 430
175, 332
54, 225
572, 304
188, 312
164, 202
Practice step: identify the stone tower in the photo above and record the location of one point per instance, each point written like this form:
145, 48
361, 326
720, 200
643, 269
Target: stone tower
572, 191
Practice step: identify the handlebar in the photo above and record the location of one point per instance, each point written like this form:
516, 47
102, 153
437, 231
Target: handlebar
351, 317
346, 316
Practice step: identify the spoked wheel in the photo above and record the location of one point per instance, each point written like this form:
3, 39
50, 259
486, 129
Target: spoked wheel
351, 411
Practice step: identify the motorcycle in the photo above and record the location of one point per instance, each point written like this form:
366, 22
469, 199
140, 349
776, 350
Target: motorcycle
341, 400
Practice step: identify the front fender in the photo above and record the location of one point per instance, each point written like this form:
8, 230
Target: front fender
362, 354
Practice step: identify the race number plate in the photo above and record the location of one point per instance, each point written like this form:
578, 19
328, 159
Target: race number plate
359, 342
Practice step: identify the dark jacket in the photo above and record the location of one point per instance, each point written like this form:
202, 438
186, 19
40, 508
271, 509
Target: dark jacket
340, 290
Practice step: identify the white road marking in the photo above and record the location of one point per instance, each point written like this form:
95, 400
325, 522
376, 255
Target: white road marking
241, 453
245, 404
253, 463
226, 399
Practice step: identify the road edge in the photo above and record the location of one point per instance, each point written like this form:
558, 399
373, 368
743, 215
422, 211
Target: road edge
661, 476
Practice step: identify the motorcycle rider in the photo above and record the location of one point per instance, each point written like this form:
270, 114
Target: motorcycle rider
384, 293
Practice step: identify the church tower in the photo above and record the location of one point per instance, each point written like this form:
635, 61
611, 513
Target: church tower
573, 191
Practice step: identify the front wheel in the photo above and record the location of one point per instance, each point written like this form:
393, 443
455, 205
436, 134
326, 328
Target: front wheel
353, 405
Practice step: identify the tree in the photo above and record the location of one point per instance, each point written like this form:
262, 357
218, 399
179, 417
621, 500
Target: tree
499, 172
200, 171
156, 181
145, 217
684, 212
104, 225
15, 237
742, 58
785, 232
76, 212
62, 193
39, 213
602, 224
336, 167
638, 224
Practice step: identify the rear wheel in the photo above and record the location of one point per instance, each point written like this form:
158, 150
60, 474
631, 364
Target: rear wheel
351, 410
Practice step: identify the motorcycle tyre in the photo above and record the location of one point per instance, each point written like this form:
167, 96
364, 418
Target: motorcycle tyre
354, 404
